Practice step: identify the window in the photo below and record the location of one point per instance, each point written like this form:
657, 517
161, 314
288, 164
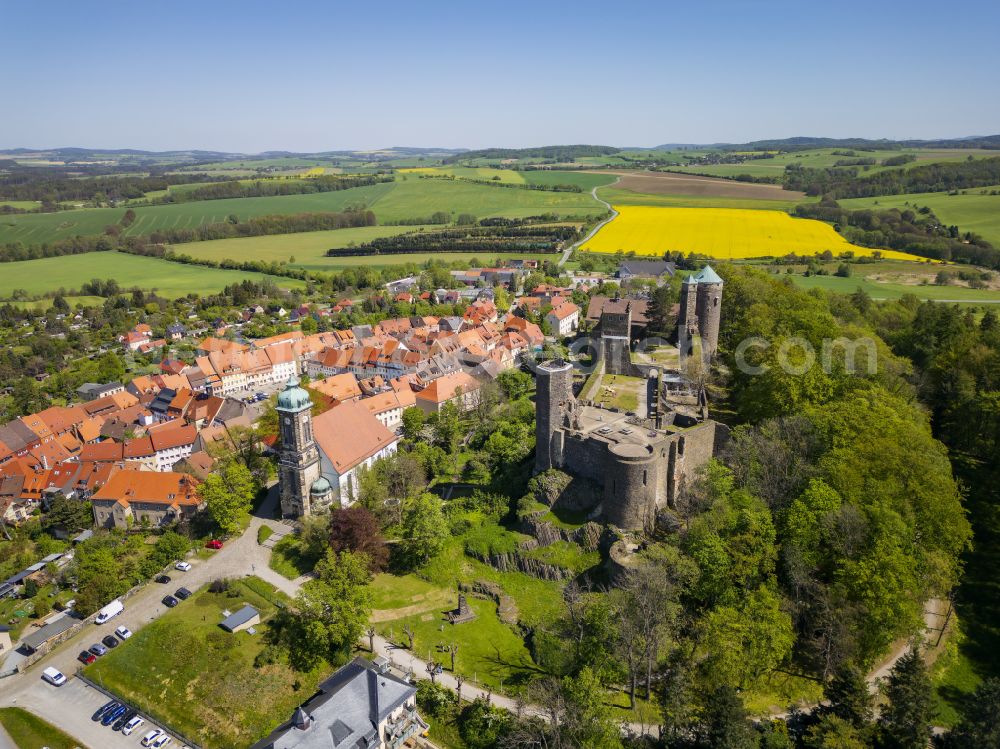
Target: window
644, 478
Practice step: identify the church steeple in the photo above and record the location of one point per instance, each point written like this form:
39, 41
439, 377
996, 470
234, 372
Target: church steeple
299, 465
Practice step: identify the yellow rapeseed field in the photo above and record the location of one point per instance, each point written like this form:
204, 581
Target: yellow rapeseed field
724, 233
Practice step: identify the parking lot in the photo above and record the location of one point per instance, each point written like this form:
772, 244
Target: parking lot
74, 703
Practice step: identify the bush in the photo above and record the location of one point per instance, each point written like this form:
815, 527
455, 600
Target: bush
435, 700
264, 533
219, 585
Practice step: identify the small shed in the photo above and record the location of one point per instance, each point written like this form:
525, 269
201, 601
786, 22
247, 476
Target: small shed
245, 618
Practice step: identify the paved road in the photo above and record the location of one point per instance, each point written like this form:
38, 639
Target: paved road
569, 250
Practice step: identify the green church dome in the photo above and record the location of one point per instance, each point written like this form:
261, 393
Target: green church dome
320, 486
293, 397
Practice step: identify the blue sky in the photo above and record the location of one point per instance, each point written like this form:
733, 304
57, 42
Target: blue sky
301, 76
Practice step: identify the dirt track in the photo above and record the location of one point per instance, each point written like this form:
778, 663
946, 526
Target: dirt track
671, 183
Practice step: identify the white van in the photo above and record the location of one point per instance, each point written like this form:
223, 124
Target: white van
53, 676
110, 611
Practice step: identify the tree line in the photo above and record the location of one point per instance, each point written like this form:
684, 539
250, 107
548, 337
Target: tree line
270, 188
492, 239
111, 188
232, 227
557, 153
915, 230
937, 177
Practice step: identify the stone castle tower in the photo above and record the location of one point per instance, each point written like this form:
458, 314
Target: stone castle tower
700, 311
553, 399
303, 489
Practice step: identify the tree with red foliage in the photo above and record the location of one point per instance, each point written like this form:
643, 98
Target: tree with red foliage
356, 529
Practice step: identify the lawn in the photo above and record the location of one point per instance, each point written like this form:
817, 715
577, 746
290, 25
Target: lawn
168, 279
286, 559
621, 392
489, 651
29, 731
723, 233
972, 210
193, 676
391, 201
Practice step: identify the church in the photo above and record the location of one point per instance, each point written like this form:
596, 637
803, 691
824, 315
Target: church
320, 457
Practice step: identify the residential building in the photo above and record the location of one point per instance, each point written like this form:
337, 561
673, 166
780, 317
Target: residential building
359, 707
458, 387
133, 497
564, 319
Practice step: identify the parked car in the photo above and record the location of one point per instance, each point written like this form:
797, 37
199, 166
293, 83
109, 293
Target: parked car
120, 722
150, 737
170, 601
98, 649
214, 544
183, 566
123, 633
110, 611
182, 593
111, 641
112, 715
161, 741
86, 657
131, 725
164, 579
103, 709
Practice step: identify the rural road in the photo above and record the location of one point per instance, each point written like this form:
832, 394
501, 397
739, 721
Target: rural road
569, 250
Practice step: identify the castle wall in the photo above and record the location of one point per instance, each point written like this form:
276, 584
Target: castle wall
553, 396
709, 312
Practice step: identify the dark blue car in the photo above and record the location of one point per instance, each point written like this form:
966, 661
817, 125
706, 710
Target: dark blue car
104, 709
112, 715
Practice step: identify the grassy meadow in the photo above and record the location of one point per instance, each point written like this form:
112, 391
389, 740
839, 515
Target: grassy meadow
728, 234
186, 671
307, 250
619, 197
168, 279
391, 201
972, 210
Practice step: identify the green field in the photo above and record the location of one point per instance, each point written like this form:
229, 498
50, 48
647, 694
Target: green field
29, 731
187, 672
25, 204
391, 201
583, 180
878, 290
824, 157
309, 249
617, 196
168, 279
306, 247
972, 210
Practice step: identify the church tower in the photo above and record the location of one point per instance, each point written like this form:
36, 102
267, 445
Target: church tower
299, 466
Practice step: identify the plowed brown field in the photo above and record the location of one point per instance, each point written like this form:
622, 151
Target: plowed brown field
670, 183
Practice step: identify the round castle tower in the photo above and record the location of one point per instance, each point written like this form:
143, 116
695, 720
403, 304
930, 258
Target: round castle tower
553, 397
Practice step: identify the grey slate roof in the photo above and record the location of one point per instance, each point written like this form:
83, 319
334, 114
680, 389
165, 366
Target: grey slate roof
345, 713
46, 633
655, 268
239, 618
